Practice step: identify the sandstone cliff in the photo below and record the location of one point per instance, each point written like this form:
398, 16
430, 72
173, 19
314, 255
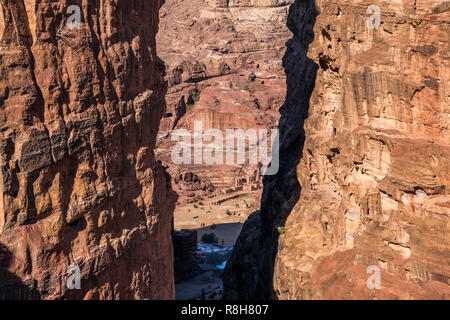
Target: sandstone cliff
367, 183
224, 69
79, 115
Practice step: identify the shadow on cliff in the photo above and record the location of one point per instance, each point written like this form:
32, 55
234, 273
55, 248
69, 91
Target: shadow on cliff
11, 286
249, 273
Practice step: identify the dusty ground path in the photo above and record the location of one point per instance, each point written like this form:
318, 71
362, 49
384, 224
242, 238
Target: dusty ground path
227, 232
208, 281
210, 215
212, 211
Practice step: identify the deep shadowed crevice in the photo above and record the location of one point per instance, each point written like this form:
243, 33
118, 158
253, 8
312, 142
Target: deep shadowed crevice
249, 272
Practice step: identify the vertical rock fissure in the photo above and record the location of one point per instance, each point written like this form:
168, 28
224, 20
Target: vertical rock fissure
249, 272
374, 169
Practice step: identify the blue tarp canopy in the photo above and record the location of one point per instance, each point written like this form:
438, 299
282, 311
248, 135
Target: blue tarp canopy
212, 248
221, 266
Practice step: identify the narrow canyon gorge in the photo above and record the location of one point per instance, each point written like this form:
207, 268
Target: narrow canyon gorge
88, 177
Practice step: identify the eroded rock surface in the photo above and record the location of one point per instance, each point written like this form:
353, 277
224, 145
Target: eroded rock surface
373, 176
224, 70
79, 114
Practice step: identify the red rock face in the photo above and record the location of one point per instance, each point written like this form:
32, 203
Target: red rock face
224, 69
79, 114
373, 174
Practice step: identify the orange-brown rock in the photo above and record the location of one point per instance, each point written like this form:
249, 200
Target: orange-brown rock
79, 115
224, 69
370, 186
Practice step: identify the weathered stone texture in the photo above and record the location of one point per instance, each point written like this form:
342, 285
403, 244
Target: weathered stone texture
374, 172
224, 69
79, 114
